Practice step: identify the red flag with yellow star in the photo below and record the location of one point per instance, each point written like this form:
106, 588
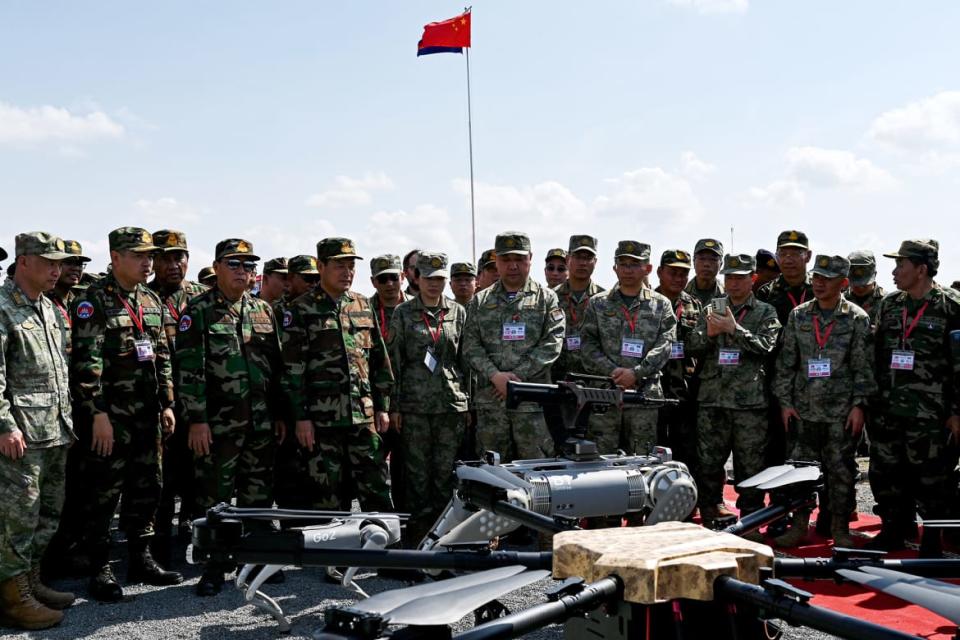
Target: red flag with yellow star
449, 36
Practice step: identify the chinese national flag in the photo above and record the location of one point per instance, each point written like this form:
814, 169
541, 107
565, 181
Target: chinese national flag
449, 36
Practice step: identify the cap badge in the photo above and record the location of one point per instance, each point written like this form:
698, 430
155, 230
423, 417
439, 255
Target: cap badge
436, 263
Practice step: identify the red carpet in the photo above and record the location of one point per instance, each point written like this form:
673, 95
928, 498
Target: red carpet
855, 601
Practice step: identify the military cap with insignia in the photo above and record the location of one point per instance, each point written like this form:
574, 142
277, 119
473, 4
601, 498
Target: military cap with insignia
793, 238
170, 240
676, 258
555, 253
235, 247
462, 269
831, 266
582, 243
709, 244
302, 265
333, 248
738, 264
863, 268
432, 264
40, 243
75, 250
920, 249
512, 242
766, 260
487, 257
132, 239
275, 265
632, 249
387, 263
207, 276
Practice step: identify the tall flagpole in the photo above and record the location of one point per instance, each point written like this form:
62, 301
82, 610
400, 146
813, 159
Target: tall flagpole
473, 211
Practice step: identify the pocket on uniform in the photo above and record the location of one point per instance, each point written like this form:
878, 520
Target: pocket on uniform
12, 479
222, 340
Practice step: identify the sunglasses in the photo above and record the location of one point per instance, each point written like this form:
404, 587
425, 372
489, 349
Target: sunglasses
384, 278
248, 265
559, 268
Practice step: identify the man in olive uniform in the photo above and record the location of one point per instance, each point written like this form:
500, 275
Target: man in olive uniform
207, 276
767, 269
486, 269
555, 267
429, 404
71, 272
678, 425
338, 381
228, 361
918, 408
274, 284
864, 290
627, 335
707, 255
823, 380
35, 431
514, 331
463, 282
120, 377
735, 347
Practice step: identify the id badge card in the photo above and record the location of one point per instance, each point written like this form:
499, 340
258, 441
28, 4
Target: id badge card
818, 368
573, 343
901, 360
514, 331
144, 350
729, 357
631, 348
676, 351
430, 360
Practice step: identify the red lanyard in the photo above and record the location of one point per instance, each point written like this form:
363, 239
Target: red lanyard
631, 320
742, 313
907, 330
822, 340
63, 312
679, 311
384, 329
803, 296
434, 334
136, 317
173, 311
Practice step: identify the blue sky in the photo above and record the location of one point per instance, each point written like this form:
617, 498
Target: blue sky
660, 121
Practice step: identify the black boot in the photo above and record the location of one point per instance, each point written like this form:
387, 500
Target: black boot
930, 544
161, 547
211, 582
104, 586
890, 537
143, 568
823, 523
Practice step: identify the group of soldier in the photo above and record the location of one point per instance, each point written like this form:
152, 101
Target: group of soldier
297, 393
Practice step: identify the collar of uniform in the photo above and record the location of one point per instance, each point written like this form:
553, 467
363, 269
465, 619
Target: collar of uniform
614, 292
498, 290
781, 283
19, 296
417, 303
375, 300
112, 286
749, 303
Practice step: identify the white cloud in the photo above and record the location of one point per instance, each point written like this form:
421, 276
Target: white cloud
351, 192
426, 226
932, 122
779, 194
650, 190
288, 240
44, 124
693, 167
169, 209
830, 168
706, 7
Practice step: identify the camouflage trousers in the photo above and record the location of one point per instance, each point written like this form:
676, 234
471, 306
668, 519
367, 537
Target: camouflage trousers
633, 430
677, 429
240, 464
31, 497
353, 455
910, 463
720, 431
515, 435
430, 442
832, 445
178, 480
132, 469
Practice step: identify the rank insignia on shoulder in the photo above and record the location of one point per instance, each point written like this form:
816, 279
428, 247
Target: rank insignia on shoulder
287, 318
84, 310
185, 323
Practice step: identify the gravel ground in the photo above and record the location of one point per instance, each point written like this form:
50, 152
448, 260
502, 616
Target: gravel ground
174, 612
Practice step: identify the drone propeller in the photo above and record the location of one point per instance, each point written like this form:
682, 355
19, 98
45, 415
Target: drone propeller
928, 583
796, 476
765, 476
904, 587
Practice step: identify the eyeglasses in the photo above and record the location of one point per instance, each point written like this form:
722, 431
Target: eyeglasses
559, 268
248, 265
384, 278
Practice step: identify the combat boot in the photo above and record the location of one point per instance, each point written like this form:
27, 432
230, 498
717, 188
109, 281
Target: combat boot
18, 607
840, 532
716, 513
890, 537
50, 597
824, 526
143, 568
799, 529
103, 586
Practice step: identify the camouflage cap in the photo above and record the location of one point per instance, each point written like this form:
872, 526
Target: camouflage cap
170, 240
487, 257
387, 263
75, 250
462, 269
512, 242
632, 249
831, 266
738, 265
863, 268
432, 264
40, 243
132, 239
332, 248
207, 276
275, 265
556, 253
675, 258
766, 260
793, 238
234, 247
582, 243
708, 244
921, 248
302, 265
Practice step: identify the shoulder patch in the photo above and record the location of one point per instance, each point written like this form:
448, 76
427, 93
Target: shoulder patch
287, 318
556, 315
84, 310
185, 323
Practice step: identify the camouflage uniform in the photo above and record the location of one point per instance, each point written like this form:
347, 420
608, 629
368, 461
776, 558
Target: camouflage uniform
337, 375
228, 361
909, 451
824, 401
608, 324
521, 432
733, 400
35, 400
869, 303
863, 272
433, 404
704, 296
